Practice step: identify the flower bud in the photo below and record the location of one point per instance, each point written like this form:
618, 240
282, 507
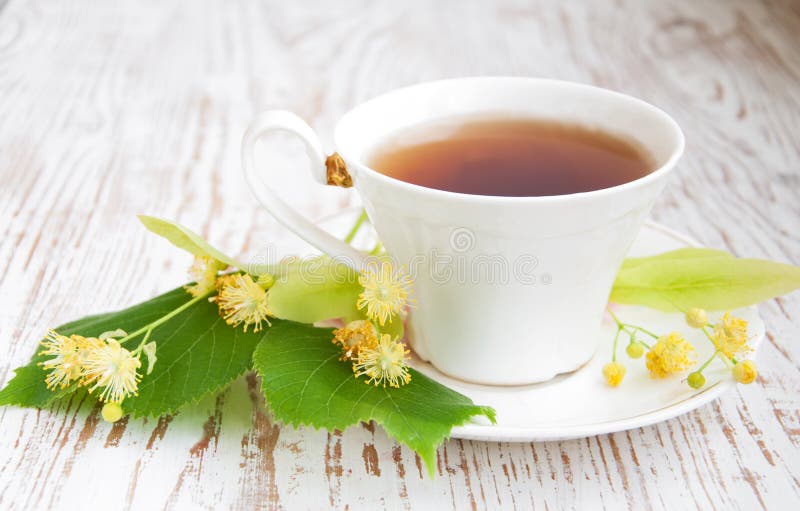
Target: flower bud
696, 380
614, 372
112, 412
265, 280
745, 372
696, 318
635, 350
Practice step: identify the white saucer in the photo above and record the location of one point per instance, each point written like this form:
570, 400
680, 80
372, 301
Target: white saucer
580, 404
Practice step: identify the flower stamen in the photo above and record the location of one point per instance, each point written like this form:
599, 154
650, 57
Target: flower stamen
386, 291
113, 369
242, 301
355, 336
669, 355
730, 336
204, 272
65, 366
383, 363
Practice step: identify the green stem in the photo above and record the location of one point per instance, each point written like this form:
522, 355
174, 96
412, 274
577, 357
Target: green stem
378, 248
712, 357
645, 331
163, 319
628, 326
616, 340
614, 317
728, 361
356, 227
143, 341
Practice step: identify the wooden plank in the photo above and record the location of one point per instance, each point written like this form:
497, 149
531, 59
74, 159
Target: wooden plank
113, 109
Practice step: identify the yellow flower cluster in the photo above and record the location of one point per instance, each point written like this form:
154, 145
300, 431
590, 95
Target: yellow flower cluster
381, 359
385, 296
672, 354
204, 272
353, 337
614, 372
387, 290
101, 363
241, 300
383, 363
730, 336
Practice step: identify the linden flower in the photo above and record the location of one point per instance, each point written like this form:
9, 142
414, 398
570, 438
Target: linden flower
670, 354
696, 317
113, 368
241, 300
745, 372
383, 363
222, 282
730, 336
65, 366
204, 272
386, 291
614, 372
355, 336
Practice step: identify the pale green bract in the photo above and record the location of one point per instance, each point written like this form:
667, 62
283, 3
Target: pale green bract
701, 277
314, 290
183, 237
318, 289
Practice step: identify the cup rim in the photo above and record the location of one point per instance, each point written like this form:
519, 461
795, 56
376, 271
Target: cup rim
654, 175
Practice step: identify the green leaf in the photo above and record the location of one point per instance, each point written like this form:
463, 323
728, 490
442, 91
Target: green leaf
705, 278
27, 387
304, 382
315, 289
184, 238
198, 353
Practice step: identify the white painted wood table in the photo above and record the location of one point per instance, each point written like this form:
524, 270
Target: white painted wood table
109, 109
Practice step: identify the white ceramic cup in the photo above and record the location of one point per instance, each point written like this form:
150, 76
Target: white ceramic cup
561, 253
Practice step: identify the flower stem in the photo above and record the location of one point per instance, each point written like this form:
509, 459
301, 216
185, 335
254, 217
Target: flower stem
700, 369
728, 361
356, 227
628, 326
163, 319
143, 341
645, 331
614, 317
616, 340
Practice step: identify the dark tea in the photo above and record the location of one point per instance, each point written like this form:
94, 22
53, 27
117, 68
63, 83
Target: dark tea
510, 157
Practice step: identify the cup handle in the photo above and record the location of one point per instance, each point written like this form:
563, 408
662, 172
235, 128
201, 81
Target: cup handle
282, 120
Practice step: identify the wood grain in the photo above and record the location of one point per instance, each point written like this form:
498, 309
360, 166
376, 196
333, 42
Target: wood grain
110, 109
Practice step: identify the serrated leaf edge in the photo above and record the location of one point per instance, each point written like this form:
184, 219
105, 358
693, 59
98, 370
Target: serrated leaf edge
429, 457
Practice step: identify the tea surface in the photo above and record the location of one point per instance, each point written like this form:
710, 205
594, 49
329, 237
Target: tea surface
509, 157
